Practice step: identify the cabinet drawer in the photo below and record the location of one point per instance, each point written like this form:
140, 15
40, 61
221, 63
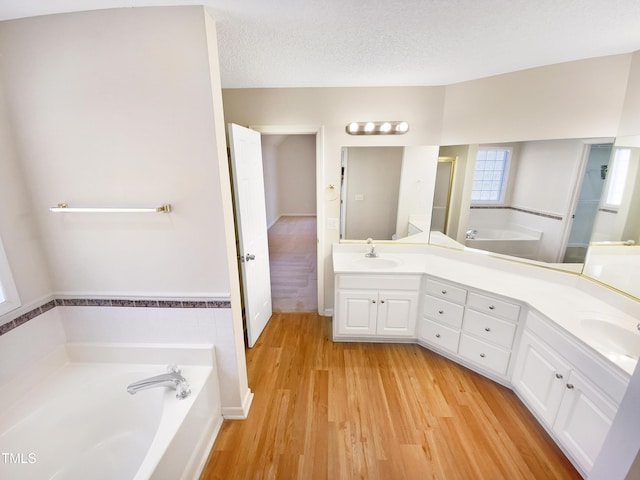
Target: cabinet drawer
443, 311
379, 282
445, 290
444, 337
493, 306
489, 328
481, 353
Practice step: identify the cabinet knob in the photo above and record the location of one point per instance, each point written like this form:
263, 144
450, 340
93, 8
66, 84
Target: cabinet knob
440, 312
444, 292
559, 375
381, 301
437, 335
487, 329
570, 386
373, 301
482, 355
492, 307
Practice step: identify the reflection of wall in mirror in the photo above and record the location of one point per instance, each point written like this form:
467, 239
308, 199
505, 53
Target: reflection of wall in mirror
372, 178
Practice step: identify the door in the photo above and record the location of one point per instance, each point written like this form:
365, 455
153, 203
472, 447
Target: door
357, 312
397, 312
442, 194
586, 209
251, 220
539, 377
584, 419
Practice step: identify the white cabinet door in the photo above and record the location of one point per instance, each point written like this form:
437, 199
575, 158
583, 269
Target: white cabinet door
583, 420
539, 377
357, 311
397, 312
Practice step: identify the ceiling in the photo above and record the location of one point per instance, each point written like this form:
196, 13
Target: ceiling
321, 43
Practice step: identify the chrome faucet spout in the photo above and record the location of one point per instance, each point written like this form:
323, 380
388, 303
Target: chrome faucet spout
172, 379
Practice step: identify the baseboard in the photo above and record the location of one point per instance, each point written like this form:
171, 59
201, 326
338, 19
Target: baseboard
239, 413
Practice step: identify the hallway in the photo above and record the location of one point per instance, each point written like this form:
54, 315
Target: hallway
293, 264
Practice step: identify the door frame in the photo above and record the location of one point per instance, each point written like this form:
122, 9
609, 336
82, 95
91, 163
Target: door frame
318, 131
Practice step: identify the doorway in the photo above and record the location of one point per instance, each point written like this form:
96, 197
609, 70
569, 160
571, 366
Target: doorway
289, 165
584, 215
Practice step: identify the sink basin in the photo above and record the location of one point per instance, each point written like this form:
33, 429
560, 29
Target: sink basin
377, 263
612, 338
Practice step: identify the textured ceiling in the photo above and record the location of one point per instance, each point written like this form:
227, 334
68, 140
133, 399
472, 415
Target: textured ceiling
309, 43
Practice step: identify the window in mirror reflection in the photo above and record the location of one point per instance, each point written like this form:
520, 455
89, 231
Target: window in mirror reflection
489, 179
617, 172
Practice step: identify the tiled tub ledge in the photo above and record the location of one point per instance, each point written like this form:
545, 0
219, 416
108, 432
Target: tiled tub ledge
110, 302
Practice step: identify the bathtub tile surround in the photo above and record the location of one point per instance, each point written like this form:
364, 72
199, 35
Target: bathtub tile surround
108, 302
517, 209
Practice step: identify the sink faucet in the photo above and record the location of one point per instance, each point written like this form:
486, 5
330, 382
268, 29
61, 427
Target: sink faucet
172, 379
372, 250
471, 234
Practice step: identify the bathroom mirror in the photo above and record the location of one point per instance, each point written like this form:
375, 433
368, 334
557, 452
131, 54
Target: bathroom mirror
386, 192
613, 257
549, 201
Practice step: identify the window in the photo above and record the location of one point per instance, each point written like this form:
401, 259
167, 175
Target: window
490, 177
9, 299
617, 173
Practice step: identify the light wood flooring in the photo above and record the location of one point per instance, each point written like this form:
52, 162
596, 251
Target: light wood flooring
325, 410
293, 264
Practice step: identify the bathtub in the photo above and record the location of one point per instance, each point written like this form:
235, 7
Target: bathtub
79, 422
515, 241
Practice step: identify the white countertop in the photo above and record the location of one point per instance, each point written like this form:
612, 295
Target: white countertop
565, 298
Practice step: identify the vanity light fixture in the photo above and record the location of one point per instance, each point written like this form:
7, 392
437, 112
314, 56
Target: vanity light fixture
64, 208
377, 128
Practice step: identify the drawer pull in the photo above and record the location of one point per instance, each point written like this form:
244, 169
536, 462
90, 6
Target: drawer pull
482, 355
492, 307
570, 386
444, 292
437, 335
440, 312
559, 375
487, 329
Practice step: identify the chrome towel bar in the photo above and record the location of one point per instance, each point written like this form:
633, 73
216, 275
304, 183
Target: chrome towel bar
64, 208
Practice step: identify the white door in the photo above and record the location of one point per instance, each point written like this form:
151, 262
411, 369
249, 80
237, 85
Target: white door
251, 217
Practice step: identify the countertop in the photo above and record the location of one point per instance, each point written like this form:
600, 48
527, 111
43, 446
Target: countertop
565, 298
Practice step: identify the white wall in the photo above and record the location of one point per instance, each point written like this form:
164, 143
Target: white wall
568, 100
114, 108
297, 175
18, 227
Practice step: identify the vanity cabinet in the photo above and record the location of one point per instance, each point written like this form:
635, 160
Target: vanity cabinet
570, 389
472, 325
383, 306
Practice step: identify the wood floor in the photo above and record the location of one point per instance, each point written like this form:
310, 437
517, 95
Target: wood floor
325, 410
293, 264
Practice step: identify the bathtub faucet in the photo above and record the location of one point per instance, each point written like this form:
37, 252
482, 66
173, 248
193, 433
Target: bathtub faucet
172, 379
471, 234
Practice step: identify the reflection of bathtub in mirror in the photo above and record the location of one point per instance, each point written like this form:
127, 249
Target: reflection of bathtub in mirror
511, 240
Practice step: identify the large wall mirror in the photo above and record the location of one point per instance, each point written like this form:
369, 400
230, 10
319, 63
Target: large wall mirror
567, 203
572, 204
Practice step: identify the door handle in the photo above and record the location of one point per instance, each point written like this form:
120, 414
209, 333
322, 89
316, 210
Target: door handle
247, 257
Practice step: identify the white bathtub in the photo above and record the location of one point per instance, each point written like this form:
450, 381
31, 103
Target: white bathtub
80, 423
518, 242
